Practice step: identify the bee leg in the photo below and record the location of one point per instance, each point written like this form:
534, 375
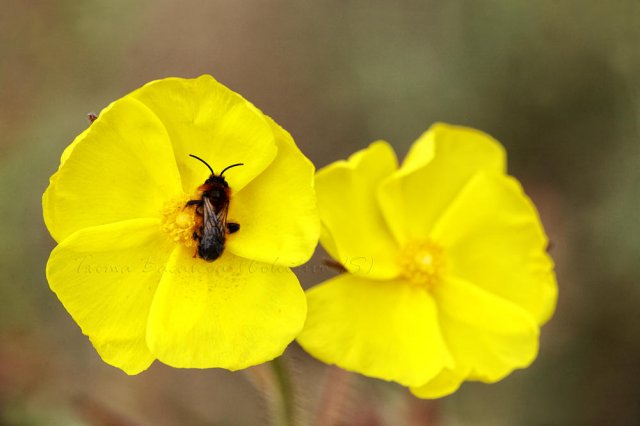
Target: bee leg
233, 227
197, 238
194, 203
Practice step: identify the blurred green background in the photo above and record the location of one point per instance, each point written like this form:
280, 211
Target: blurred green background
557, 82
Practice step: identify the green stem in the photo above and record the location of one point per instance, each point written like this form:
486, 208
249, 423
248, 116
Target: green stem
283, 398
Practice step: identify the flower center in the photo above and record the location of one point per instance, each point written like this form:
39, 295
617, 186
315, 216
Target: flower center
422, 263
180, 221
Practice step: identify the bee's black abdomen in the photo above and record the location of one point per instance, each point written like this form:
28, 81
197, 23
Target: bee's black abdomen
210, 249
212, 254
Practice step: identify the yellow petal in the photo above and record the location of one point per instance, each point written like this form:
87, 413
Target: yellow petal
383, 329
437, 167
487, 335
493, 237
105, 277
121, 168
445, 383
354, 231
67, 151
232, 313
207, 119
277, 211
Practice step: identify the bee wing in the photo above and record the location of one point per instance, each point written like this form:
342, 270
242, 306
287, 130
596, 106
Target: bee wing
214, 223
222, 216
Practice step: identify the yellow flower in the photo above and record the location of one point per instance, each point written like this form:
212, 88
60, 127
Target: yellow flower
126, 268
447, 275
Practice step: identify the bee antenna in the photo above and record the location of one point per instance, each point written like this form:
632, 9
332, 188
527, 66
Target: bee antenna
228, 167
205, 163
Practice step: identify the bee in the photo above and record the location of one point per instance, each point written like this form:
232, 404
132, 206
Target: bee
213, 207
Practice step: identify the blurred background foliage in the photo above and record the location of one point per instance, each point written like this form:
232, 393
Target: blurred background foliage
558, 82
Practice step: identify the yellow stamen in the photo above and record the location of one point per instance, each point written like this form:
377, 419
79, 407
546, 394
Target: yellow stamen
180, 221
422, 263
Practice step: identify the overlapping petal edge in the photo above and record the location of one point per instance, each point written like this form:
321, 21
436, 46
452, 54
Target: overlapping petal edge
499, 289
114, 268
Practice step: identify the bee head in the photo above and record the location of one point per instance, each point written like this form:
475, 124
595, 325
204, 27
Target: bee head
217, 180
